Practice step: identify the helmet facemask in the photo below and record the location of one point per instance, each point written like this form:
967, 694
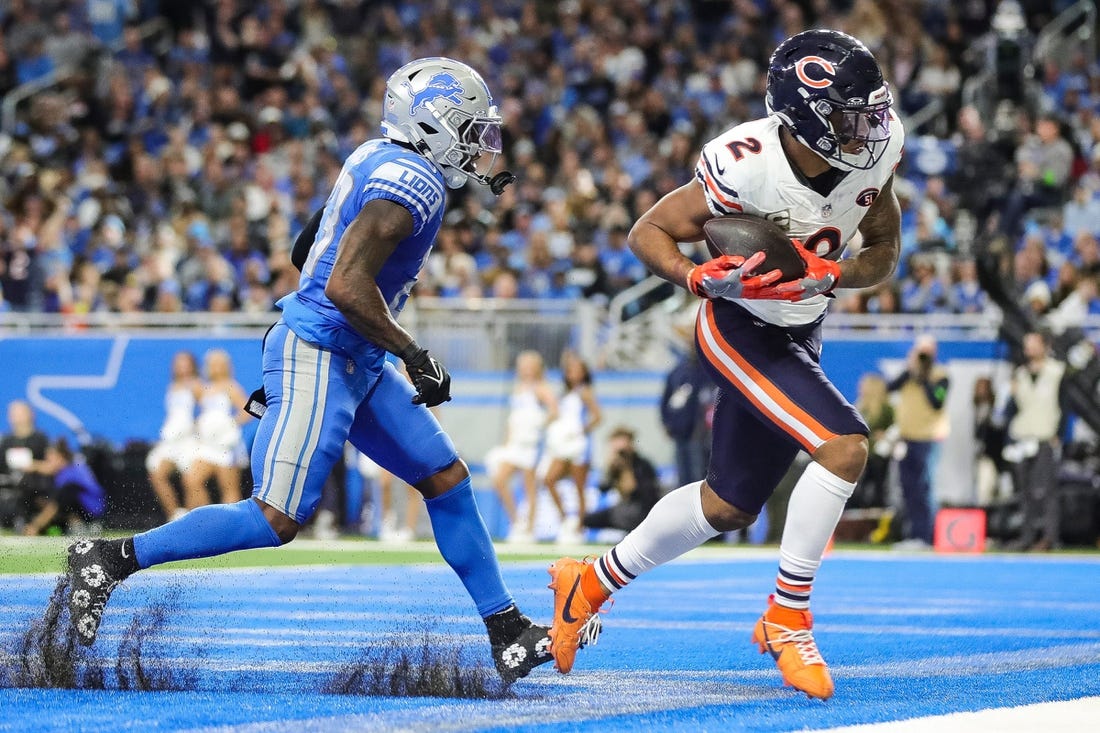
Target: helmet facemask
476, 146
859, 132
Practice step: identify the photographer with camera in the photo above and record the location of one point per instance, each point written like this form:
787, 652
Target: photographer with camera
635, 480
922, 427
22, 462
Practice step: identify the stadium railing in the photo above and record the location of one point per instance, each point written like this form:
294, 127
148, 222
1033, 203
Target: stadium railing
487, 333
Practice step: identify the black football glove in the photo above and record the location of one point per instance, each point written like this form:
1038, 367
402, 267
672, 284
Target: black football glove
432, 382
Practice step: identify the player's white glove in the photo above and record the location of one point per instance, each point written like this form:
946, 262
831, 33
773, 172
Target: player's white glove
431, 380
729, 277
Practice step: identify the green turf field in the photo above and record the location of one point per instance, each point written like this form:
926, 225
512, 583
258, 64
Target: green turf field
46, 555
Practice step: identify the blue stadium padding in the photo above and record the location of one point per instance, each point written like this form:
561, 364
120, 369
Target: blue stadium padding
132, 371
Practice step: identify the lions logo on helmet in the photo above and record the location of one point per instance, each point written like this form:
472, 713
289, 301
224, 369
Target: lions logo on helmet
828, 90
443, 85
450, 118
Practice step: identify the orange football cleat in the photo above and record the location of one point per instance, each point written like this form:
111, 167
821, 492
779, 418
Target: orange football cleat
785, 632
576, 621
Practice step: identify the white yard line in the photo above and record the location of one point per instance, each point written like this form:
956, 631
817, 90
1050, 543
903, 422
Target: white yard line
1071, 716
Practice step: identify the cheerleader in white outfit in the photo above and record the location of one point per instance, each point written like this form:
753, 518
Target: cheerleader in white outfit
569, 441
177, 445
218, 427
532, 405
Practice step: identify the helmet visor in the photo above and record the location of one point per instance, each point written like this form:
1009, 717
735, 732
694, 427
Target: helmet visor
863, 124
486, 131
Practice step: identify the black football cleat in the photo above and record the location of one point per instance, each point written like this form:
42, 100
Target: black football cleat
519, 645
95, 568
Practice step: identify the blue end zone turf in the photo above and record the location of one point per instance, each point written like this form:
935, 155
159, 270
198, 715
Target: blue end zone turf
905, 637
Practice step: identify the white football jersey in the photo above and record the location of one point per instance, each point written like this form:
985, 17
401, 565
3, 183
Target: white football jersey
744, 170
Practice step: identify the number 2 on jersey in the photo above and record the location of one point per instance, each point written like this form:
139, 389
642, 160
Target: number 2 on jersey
738, 148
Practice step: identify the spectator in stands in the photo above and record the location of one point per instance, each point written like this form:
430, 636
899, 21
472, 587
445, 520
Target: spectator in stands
75, 502
1043, 165
1081, 213
967, 295
253, 106
22, 463
1034, 427
218, 429
982, 172
922, 427
178, 443
938, 78
632, 477
923, 291
33, 63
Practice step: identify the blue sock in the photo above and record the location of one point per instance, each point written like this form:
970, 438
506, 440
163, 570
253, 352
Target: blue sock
464, 542
210, 530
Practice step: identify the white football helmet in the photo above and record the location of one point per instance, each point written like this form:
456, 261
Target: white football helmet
444, 110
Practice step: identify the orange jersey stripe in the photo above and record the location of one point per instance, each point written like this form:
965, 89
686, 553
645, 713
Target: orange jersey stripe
716, 192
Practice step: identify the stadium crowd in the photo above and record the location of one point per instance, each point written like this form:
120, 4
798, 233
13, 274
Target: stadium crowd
186, 144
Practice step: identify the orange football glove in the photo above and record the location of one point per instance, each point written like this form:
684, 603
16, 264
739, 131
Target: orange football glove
729, 277
821, 277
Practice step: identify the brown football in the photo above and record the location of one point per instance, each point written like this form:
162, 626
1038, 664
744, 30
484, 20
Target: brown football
741, 234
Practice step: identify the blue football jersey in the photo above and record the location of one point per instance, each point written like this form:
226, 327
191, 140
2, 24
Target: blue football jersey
378, 169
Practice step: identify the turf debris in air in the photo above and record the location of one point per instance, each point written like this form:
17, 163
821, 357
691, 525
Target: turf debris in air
431, 668
47, 655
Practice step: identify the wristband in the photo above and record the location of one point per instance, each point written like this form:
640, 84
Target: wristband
410, 352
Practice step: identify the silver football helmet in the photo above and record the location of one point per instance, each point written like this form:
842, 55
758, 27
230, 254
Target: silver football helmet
444, 110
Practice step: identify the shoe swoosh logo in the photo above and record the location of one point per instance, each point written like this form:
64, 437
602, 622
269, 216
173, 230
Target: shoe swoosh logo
565, 615
124, 553
768, 643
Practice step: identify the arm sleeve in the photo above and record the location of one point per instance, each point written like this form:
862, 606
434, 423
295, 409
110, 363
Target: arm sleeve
895, 384
936, 392
300, 252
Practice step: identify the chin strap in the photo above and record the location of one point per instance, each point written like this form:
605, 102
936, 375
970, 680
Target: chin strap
500, 181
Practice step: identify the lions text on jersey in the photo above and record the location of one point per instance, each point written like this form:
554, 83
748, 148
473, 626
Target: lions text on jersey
378, 169
744, 170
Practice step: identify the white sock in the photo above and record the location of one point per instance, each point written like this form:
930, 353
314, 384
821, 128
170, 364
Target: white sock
673, 526
812, 514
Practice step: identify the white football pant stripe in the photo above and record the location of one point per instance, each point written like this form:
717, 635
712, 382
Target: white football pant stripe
305, 389
767, 402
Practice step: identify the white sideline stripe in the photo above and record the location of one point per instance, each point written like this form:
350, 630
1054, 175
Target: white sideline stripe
1071, 716
594, 695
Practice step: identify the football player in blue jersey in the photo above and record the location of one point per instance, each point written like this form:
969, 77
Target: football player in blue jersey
325, 375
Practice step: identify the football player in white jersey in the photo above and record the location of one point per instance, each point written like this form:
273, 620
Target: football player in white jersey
820, 166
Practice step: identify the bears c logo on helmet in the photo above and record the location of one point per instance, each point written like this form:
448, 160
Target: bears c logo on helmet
826, 66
